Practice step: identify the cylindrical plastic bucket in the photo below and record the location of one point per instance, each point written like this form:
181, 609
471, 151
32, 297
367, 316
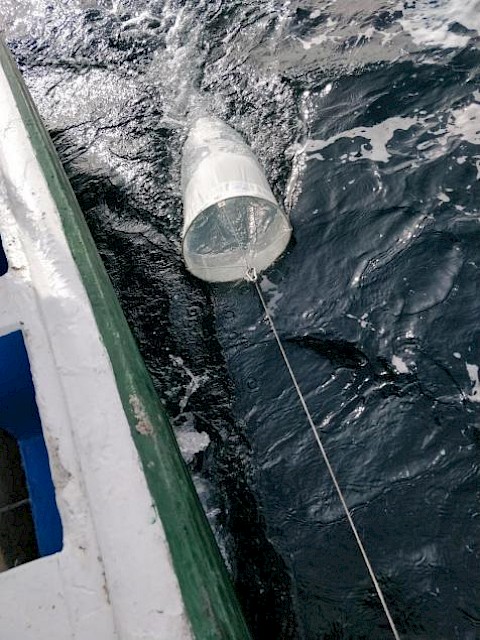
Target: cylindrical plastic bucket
232, 221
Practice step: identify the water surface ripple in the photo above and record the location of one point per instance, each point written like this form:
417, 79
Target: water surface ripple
366, 117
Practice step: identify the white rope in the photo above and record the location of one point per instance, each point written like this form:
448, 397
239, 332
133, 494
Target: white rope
251, 276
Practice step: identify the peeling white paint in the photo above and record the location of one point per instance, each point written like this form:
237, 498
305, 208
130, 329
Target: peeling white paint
143, 424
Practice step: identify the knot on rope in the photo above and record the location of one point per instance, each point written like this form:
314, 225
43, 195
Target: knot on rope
251, 274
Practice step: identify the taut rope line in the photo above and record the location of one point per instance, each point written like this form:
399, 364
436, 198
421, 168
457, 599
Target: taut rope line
251, 276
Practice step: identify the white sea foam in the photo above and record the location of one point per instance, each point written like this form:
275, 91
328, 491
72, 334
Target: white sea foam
378, 138
465, 122
273, 294
189, 439
443, 197
326, 35
316, 40
196, 381
472, 370
400, 365
462, 123
429, 22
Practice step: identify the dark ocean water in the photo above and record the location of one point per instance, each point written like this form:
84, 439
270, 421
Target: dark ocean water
366, 117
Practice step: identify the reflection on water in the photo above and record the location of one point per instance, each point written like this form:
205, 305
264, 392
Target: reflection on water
366, 118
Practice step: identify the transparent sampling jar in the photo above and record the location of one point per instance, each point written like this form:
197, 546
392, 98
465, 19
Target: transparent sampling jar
232, 221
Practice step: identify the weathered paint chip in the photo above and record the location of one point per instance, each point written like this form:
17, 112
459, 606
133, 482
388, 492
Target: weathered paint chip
143, 424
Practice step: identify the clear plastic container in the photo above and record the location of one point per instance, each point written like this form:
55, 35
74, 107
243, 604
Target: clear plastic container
232, 221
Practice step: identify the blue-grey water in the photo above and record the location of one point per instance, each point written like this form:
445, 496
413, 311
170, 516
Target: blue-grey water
366, 117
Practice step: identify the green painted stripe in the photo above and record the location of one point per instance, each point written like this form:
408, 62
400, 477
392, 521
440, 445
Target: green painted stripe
208, 594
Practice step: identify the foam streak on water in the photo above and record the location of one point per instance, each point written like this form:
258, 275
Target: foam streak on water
366, 118
430, 22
